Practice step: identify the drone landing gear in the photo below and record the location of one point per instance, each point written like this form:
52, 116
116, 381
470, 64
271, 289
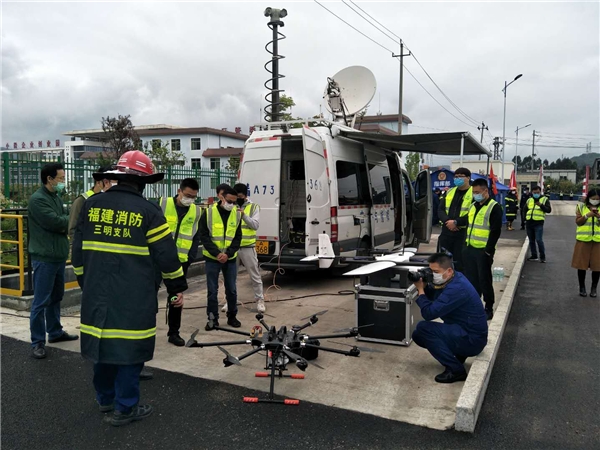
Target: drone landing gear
276, 361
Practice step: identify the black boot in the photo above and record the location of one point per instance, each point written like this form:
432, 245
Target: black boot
232, 321
593, 292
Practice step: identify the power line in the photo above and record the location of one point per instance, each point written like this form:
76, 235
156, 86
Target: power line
375, 20
375, 26
354, 28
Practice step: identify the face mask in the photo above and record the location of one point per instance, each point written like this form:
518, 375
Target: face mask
438, 278
478, 197
536, 195
595, 202
185, 201
227, 206
458, 182
59, 187
240, 201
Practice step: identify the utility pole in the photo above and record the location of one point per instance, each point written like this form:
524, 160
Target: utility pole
533, 149
483, 127
496, 148
401, 57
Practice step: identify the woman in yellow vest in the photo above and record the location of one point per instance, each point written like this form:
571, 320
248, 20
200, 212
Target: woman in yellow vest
586, 254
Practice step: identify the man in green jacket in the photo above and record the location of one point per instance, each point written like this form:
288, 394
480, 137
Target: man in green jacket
48, 250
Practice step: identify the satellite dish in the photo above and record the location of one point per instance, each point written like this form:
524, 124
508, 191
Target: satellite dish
350, 91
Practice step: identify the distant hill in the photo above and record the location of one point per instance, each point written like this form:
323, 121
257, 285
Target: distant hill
585, 159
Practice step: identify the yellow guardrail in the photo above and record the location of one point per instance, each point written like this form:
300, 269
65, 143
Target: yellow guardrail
20, 243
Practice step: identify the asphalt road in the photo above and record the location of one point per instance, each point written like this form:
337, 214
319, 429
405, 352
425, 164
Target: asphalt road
544, 392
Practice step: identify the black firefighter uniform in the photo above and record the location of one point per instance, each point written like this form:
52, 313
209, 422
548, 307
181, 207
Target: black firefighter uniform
118, 238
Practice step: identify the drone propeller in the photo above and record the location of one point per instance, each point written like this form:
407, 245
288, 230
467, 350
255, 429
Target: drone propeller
320, 313
192, 340
362, 349
229, 358
348, 330
296, 358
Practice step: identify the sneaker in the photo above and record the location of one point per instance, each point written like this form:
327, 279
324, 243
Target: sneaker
106, 408
39, 351
582, 292
233, 322
260, 306
64, 337
145, 374
137, 413
211, 326
224, 308
533, 258
176, 340
543, 260
489, 313
593, 292
449, 377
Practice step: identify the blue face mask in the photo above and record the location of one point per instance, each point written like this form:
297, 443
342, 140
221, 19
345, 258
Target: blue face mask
537, 195
478, 197
458, 182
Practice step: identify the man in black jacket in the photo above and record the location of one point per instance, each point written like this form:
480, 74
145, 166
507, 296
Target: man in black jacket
221, 236
484, 226
523, 206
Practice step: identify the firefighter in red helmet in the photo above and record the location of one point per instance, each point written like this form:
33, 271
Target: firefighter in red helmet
119, 238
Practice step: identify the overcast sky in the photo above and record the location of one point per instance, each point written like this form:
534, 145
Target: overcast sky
65, 65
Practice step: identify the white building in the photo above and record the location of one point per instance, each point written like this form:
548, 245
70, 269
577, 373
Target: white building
202, 147
481, 167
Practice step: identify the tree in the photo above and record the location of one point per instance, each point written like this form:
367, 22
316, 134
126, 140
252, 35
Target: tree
233, 163
121, 136
162, 155
412, 165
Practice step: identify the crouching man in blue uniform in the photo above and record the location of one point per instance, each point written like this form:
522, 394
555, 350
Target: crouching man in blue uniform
464, 331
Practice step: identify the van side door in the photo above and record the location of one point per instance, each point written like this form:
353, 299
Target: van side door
382, 214
318, 205
423, 207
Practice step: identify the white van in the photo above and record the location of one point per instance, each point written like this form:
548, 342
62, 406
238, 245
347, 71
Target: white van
309, 181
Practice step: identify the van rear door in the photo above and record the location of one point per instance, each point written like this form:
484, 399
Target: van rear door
261, 172
318, 205
423, 207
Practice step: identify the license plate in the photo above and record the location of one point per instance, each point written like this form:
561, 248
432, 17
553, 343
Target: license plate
262, 247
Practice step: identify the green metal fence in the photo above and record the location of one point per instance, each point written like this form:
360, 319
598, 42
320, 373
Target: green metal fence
21, 178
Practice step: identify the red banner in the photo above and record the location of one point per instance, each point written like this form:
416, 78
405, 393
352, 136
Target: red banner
493, 178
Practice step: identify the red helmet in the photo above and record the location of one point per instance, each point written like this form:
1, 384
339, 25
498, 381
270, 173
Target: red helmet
135, 162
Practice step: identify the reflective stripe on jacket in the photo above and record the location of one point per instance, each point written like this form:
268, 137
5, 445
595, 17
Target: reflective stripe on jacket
590, 230
478, 228
467, 201
534, 212
88, 194
183, 231
222, 235
248, 234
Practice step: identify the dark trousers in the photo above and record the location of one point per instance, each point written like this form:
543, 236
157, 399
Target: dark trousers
523, 213
454, 243
174, 314
48, 291
535, 233
447, 341
478, 270
213, 268
118, 384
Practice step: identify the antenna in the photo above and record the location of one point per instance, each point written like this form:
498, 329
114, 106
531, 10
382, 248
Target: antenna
348, 92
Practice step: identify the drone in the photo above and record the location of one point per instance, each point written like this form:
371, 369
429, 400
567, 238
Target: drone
281, 347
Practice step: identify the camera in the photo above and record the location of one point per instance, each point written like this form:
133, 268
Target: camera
424, 274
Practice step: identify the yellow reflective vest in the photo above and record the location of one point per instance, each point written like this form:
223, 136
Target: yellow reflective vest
534, 212
478, 229
467, 201
88, 194
221, 234
183, 232
248, 234
590, 230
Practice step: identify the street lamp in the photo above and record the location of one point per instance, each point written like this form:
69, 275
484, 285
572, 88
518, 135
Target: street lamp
506, 85
517, 147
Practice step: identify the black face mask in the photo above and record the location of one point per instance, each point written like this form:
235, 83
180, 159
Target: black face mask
240, 201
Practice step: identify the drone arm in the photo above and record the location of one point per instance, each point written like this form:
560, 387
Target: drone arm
250, 353
243, 333
333, 350
330, 336
214, 344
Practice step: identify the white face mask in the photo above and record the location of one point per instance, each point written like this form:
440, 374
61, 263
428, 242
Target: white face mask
227, 206
185, 201
595, 202
438, 278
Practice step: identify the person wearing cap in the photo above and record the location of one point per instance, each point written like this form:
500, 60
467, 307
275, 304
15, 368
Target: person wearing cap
511, 206
100, 185
183, 217
119, 238
454, 205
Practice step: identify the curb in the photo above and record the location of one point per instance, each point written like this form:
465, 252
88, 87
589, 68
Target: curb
471, 397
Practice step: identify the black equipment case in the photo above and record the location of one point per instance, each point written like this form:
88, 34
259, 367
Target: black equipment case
393, 312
